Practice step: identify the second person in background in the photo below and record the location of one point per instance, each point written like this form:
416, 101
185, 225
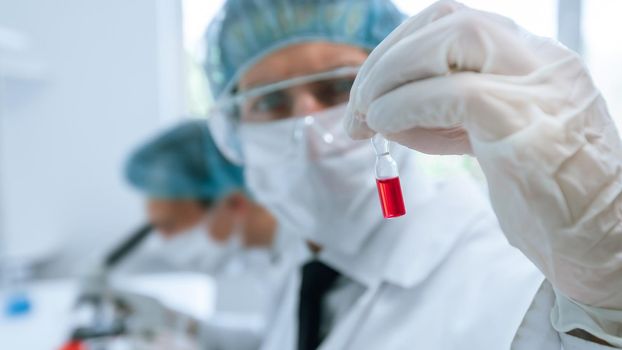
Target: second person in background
206, 222
195, 197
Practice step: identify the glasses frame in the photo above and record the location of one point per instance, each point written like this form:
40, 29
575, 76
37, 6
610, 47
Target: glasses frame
242, 97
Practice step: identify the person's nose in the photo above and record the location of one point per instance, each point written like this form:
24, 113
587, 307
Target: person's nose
305, 103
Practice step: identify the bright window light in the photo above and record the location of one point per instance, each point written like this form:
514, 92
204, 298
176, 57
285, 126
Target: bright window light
601, 33
537, 16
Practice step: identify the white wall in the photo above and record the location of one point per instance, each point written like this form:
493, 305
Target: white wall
111, 77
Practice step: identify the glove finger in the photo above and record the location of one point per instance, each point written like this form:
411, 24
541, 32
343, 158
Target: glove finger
356, 127
429, 15
424, 116
465, 41
487, 106
354, 124
446, 141
430, 104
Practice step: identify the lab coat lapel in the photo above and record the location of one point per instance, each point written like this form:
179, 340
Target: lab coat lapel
435, 229
286, 322
283, 330
370, 265
340, 337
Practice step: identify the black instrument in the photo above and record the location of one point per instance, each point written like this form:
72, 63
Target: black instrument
127, 246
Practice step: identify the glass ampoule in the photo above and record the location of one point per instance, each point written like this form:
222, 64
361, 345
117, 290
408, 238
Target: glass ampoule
387, 179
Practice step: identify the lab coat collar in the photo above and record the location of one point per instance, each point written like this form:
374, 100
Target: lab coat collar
406, 250
436, 228
422, 238
367, 266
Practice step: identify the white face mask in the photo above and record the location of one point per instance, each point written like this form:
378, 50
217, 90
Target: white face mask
195, 250
318, 182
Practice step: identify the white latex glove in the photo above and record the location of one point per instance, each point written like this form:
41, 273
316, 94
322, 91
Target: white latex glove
457, 80
144, 314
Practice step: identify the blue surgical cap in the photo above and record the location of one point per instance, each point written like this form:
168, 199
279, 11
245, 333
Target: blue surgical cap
245, 31
183, 163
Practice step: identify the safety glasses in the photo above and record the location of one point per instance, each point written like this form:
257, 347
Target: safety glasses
275, 102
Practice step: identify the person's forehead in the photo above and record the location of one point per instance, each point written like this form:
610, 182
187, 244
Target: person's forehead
299, 60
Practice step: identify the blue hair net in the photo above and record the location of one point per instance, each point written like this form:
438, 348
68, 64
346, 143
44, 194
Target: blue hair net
247, 30
183, 162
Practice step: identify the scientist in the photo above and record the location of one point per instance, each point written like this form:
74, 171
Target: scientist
450, 80
195, 200
207, 223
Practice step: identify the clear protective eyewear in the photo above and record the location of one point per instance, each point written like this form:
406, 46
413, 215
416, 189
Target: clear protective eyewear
275, 102
319, 135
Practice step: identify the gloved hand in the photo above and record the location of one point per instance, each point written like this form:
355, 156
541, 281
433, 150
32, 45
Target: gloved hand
456, 80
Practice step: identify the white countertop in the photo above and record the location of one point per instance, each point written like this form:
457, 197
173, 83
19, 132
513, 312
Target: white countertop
48, 324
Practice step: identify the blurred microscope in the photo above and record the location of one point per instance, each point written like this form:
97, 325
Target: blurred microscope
107, 316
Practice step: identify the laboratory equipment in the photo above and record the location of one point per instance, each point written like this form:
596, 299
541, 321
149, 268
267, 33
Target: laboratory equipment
127, 246
387, 179
74, 345
15, 275
99, 314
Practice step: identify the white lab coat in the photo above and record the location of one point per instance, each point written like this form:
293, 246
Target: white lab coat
537, 333
247, 281
451, 281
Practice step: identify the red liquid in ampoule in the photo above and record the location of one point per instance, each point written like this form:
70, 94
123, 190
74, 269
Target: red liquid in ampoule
391, 199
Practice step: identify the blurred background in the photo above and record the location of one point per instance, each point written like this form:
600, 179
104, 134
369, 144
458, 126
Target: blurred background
83, 83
